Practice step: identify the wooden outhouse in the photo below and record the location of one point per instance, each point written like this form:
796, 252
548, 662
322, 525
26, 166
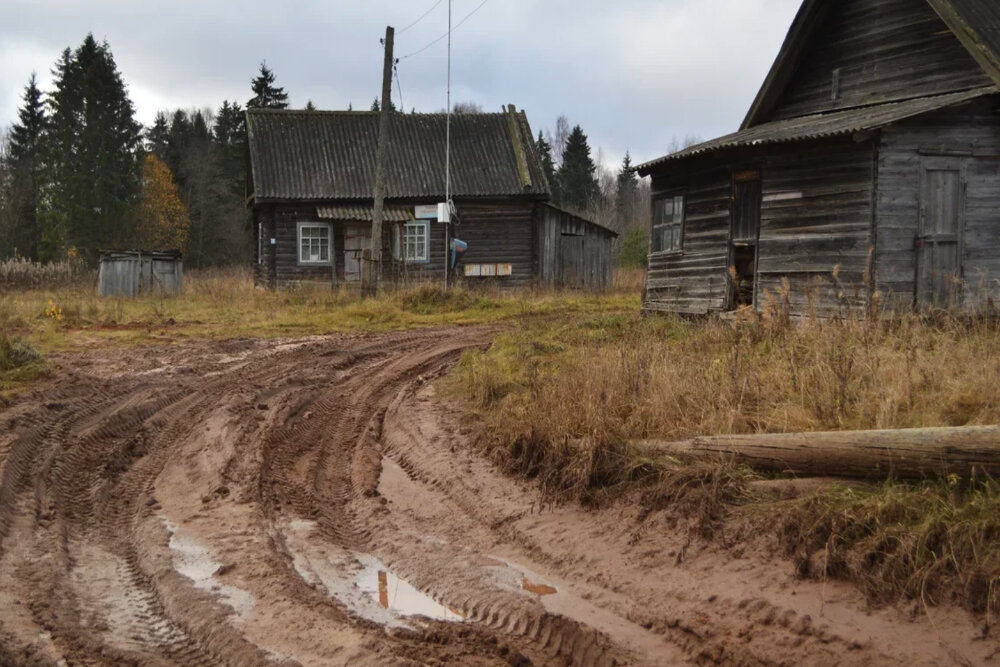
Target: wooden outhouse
311, 185
133, 272
868, 165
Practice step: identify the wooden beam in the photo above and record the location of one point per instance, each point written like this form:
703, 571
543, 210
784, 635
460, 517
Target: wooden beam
905, 454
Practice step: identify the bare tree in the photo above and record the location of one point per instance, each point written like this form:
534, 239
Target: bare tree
559, 140
689, 140
466, 107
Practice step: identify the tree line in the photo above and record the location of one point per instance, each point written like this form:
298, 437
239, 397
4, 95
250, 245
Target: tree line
618, 199
79, 173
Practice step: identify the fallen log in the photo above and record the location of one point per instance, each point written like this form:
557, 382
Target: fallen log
904, 454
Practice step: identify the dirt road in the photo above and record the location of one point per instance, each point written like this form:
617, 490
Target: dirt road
313, 502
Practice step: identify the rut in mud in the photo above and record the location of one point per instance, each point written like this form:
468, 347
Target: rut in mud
312, 503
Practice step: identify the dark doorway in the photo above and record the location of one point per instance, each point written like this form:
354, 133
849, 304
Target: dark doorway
939, 238
744, 236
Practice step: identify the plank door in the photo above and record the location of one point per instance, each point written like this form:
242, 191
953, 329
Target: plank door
940, 231
357, 238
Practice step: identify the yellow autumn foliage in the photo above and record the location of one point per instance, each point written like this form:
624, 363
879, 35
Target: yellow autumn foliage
163, 222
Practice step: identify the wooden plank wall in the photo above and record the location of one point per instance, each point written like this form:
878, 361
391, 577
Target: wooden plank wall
970, 134
816, 215
572, 252
696, 280
886, 50
499, 232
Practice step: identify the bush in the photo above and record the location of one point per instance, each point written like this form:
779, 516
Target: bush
15, 353
635, 249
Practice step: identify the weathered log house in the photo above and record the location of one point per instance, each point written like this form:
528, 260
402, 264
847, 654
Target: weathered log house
868, 164
311, 184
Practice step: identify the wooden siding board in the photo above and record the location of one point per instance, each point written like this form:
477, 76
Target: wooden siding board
973, 128
885, 50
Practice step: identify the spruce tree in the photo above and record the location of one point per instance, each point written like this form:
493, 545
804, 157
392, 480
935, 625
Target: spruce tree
25, 166
157, 136
576, 175
310, 106
548, 166
92, 154
230, 134
265, 94
625, 191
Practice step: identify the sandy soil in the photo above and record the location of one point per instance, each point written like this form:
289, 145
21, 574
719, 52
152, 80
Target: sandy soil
314, 502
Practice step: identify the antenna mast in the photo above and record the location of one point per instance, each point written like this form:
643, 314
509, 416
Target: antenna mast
447, 161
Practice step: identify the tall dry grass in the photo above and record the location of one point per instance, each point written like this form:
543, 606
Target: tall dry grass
19, 273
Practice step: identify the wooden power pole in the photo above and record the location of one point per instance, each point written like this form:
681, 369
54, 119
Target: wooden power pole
374, 276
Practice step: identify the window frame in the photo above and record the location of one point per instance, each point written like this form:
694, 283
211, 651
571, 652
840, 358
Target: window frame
299, 227
401, 242
679, 224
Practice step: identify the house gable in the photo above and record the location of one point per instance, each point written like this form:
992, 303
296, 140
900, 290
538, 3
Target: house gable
841, 55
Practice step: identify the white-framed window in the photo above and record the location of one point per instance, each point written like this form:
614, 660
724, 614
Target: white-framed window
414, 241
668, 224
314, 243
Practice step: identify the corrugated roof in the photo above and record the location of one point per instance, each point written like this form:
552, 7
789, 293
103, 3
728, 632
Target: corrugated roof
329, 155
579, 217
364, 213
819, 126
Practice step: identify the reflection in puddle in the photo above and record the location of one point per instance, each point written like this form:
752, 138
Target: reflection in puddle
397, 595
537, 589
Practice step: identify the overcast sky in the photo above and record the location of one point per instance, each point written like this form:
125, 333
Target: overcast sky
635, 74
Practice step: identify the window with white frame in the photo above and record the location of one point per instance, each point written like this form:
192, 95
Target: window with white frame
668, 224
414, 243
314, 243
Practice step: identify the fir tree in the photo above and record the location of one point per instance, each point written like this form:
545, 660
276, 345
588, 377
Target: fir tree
625, 190
375, 105
577, 182
230, 135
548, 165
25, 171
92, 154
310, 106
265, 94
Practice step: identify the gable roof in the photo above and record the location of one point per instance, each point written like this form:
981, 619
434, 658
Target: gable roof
330, 155
976, 24
824, 125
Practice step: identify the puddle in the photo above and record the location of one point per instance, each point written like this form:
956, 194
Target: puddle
537, 589
516, 577
397, 595
194, 561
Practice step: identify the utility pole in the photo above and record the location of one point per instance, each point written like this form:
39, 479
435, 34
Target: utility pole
447, 164
374, 277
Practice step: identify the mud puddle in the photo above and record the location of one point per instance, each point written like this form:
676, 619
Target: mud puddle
193, 560
399, 596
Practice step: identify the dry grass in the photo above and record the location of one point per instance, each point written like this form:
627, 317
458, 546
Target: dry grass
21, 273
563, 402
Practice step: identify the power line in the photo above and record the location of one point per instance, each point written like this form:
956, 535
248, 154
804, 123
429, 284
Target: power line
399, 86
456, 27
422, 17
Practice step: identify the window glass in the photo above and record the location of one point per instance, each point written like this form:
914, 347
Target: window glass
415, 241
668, 224
314, 244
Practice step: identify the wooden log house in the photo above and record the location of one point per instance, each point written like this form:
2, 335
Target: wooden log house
311, 183
868, 164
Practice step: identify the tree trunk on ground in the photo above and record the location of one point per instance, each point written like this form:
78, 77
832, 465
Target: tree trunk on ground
903, 454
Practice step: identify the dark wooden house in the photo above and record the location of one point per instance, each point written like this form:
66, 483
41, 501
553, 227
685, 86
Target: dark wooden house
311, 185
868, 165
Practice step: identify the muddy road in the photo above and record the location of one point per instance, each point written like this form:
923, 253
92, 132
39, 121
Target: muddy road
313, 502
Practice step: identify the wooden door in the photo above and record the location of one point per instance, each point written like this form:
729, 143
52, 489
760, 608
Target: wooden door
357, 238
939, 237
745, 231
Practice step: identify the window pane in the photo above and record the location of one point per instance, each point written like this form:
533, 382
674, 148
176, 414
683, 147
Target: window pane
678, 209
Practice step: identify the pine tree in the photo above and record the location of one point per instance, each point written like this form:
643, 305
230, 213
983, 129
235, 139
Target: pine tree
548, 166
577, 182
92, 152
25, 166
625, 191
265, 94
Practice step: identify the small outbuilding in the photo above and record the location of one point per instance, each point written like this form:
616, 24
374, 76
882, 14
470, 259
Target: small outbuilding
133, 272
311, 193
868, 164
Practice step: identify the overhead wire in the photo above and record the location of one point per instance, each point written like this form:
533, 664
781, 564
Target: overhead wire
422, 16
454, 28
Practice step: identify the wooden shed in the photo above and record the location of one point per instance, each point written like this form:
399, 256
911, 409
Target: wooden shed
133, 272
311, 185
573, 251
868, 164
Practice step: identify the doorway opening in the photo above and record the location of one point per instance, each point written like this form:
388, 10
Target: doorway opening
744, 235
